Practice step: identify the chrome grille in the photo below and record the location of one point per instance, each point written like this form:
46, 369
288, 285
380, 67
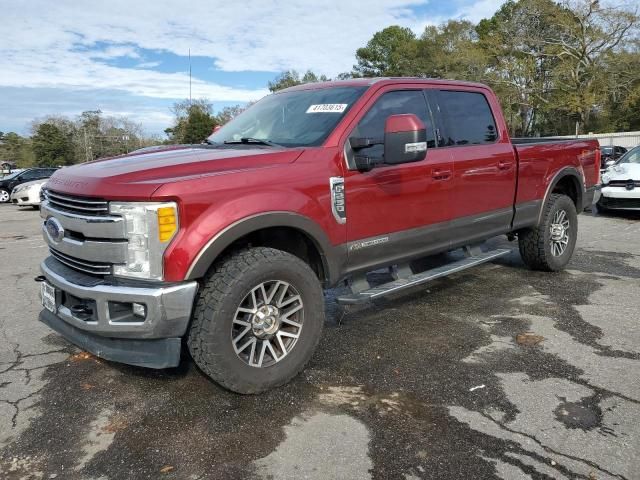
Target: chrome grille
86, 266
76, 204
623, 183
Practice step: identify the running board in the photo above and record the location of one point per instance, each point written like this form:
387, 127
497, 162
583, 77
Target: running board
422, 277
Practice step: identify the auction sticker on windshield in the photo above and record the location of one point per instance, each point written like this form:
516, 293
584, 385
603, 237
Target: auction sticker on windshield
327, 108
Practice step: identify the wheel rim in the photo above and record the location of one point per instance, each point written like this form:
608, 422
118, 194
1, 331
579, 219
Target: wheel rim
4, 196
559, 233
267, 324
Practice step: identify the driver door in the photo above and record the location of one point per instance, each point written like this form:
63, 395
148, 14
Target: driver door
397, 211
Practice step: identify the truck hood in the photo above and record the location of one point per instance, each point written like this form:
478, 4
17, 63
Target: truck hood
137, 176
623, 171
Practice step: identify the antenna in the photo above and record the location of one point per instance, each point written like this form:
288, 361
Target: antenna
189, 77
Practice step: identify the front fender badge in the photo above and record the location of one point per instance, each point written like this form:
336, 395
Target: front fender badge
338, 204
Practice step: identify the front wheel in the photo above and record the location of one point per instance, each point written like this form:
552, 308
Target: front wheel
257, 320
549, 246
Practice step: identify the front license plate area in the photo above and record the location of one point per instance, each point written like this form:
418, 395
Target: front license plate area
48, 293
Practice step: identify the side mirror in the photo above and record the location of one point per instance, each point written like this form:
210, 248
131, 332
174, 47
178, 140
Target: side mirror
609, 163
405, 139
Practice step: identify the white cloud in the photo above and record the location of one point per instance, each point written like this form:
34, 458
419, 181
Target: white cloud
52, 47
115, 51
148, 64
74, 48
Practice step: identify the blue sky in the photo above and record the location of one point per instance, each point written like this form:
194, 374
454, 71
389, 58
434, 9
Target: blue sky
130, 58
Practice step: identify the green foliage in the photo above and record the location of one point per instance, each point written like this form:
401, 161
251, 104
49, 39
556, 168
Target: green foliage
391, 52
52, 146
229, 113
16, 149
194, 122
291, 78
551, 64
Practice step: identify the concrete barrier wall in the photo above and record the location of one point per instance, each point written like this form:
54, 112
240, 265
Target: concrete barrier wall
621, 139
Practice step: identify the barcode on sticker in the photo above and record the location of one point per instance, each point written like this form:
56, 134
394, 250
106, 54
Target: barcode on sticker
327, 108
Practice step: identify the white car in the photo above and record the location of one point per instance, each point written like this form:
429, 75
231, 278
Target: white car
621, 183
28, 194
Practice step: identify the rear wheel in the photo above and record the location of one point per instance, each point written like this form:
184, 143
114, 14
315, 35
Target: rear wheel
550, 245
4, 195
257, 320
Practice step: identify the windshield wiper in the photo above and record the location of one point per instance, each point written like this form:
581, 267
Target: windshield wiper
257, 141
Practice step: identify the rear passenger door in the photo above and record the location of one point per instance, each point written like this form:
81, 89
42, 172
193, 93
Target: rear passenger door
484, 165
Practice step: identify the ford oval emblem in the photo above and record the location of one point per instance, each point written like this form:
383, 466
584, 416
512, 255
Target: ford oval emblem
54, 229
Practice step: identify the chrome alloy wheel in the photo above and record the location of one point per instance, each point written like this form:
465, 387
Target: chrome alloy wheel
4, 196
559, 233
267, 324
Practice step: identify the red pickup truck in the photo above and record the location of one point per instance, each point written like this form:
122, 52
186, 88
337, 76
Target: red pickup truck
227, 245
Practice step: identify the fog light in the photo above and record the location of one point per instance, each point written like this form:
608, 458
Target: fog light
139, 310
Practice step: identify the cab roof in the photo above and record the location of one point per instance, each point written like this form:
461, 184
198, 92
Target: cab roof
379, 81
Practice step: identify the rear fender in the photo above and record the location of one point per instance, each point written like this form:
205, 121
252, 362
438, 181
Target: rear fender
578, 181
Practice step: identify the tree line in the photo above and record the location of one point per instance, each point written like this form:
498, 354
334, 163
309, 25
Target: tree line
61, 140
557, 68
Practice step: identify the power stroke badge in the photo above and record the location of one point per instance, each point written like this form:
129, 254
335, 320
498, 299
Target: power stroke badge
338, 205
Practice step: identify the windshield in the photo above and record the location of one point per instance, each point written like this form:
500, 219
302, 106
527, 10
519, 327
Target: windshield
291, 119
632, 156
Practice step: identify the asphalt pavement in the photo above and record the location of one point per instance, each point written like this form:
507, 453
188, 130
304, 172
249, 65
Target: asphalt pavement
496, 372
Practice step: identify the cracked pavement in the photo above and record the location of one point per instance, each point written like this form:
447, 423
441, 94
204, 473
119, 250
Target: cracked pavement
496, 372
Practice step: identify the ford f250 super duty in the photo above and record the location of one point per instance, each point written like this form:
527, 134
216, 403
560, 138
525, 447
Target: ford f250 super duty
225, 247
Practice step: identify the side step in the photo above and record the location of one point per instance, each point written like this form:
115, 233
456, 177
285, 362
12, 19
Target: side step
474, 258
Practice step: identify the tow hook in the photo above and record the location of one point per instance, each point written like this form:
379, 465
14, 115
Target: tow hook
40, 278
81, 311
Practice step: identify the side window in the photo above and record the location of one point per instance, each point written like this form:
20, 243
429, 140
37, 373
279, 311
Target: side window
30, 175
468, 117
393, 103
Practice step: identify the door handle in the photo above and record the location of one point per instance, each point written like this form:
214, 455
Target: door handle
438, 174
504, 165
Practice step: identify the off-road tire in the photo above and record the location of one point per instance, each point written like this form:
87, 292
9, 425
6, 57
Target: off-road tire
229, 281
535, 242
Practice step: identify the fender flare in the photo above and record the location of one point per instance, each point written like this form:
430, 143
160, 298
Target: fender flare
333, 257
559, 175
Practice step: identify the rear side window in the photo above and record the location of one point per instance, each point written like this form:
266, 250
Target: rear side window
468, 118
393, 103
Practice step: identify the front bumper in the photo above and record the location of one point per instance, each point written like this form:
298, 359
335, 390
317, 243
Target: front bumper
24, 199
620, 198
105, 327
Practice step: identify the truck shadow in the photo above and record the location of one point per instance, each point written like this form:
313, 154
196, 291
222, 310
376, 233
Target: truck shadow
397, 367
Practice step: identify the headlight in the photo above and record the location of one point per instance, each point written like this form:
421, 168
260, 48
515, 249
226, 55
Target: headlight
606, 178
19, 188
150, 227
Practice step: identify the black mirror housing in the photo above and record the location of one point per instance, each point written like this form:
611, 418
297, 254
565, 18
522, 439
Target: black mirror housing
358, 143
405, 139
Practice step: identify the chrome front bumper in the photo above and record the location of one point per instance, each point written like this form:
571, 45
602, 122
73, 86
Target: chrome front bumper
168, 308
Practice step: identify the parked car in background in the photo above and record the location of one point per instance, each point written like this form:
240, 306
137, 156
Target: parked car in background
611, 153
28, 194
8, 183
621, 183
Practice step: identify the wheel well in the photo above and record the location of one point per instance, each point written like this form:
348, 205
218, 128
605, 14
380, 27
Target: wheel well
287, 239
569, 186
